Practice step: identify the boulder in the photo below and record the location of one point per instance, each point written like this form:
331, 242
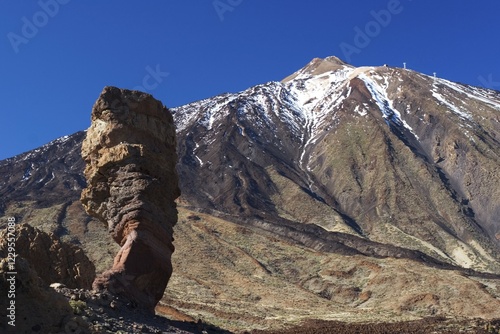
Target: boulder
54, 261
28, 304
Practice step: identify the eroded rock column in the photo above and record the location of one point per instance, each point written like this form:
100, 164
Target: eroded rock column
132, 183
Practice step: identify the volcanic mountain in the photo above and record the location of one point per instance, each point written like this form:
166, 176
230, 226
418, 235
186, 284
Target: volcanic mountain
338, 193
378, 153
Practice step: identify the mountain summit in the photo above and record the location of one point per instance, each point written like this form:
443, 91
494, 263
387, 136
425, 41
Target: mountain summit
348, 193
383, 154
318, 66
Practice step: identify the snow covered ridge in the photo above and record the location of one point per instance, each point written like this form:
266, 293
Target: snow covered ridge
300, 97
309, 90
307, 100
441, 88
204, 111
303, 103
39, 151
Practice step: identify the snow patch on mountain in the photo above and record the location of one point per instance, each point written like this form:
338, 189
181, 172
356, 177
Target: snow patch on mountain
450, 105
360, 110
313, 98
385, 104
309, 90
475, 93
205, 112
27, 172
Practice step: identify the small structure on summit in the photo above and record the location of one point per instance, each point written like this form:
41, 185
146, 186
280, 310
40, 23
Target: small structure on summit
130, 156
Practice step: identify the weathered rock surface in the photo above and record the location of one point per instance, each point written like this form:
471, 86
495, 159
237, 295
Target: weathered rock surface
38, 308
41, 259
57, 309
130, 155
53, 260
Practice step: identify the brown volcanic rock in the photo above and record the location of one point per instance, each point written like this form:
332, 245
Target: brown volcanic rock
53, 260
38, 308
132, 184
41, 259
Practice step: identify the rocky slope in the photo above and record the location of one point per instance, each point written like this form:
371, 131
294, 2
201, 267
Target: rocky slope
41, 261
378, 153
43, 187
352, 194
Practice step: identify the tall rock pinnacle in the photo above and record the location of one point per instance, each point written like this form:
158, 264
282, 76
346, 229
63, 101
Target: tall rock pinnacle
130, 156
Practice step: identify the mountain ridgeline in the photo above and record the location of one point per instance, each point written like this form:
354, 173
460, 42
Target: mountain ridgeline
371, 154
384, 154
290, 184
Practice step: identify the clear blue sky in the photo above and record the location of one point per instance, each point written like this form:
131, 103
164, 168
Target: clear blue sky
57, 55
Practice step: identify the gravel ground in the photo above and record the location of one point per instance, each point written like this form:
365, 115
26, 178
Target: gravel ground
425, 326
101, 312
